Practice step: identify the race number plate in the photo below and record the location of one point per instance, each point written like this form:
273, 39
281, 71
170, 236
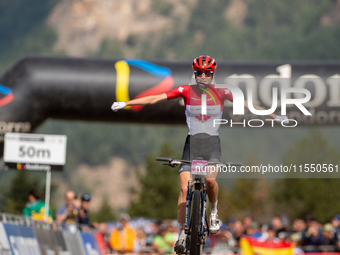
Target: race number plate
199, 167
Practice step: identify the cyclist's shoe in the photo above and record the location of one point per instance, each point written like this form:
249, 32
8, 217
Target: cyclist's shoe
180, 246
214, 225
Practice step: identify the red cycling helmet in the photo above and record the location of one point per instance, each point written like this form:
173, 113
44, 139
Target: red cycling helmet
204, 63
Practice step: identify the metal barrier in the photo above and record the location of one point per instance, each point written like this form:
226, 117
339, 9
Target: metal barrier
73, 227
320, 248
23, 235
28, 221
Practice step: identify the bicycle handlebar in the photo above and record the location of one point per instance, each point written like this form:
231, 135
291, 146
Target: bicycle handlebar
163, 159
172, 162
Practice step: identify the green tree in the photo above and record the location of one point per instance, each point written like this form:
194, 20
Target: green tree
159, 189
246, 197
299, 197
16, 195
104, 213
25, 34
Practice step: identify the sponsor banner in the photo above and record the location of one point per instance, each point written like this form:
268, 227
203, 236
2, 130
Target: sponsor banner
17, 127
22, 240
33, 167
45, 240
8, 95
90, 244
51, 242
60, 242
5, 249
101, 243
74, 242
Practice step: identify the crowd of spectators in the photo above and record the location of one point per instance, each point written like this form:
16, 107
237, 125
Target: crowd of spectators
307, 234
74, 210
158, 237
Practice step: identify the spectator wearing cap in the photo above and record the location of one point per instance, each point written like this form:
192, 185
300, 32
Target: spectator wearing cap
122, 238
83, 217
295, 240
36, 208
230, 225
328, 235
336, 230
253, 230
335, 224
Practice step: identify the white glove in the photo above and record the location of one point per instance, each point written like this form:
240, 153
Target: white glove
282, 119
117, 106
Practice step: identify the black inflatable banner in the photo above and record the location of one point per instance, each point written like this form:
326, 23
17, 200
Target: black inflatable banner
37, 88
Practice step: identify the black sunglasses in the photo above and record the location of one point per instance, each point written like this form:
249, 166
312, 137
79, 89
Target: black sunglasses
206, 73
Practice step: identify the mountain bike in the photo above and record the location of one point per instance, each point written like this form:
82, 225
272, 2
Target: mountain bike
196, 222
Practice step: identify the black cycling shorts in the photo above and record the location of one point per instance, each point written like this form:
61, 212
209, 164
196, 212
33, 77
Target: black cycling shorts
201, 146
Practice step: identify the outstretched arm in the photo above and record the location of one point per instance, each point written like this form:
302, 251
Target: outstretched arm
259, 108
139, 101
281, 119
147, 100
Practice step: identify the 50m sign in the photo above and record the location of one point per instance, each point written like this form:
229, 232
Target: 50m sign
34, 151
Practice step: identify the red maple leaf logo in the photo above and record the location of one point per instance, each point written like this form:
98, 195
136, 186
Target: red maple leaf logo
202, 118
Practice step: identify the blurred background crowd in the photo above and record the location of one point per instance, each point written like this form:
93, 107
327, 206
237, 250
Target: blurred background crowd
144, 235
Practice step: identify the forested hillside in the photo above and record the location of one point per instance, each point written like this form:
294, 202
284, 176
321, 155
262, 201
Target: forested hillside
23, 29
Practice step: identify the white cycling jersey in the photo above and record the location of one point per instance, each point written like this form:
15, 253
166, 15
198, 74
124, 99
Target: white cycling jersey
192, 95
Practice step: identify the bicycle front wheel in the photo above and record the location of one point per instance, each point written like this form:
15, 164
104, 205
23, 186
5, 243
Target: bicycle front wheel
195, 242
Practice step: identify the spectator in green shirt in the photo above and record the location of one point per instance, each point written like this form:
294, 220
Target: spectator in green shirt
164, 241
36, 208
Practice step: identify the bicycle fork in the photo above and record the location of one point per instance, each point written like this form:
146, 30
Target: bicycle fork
203, 209
187, 208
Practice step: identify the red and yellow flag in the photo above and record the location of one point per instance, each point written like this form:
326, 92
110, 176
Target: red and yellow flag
252, 246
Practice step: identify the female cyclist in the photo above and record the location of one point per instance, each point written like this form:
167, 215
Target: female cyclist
203, 140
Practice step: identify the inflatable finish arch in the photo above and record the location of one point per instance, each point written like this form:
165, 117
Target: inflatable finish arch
37, 88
